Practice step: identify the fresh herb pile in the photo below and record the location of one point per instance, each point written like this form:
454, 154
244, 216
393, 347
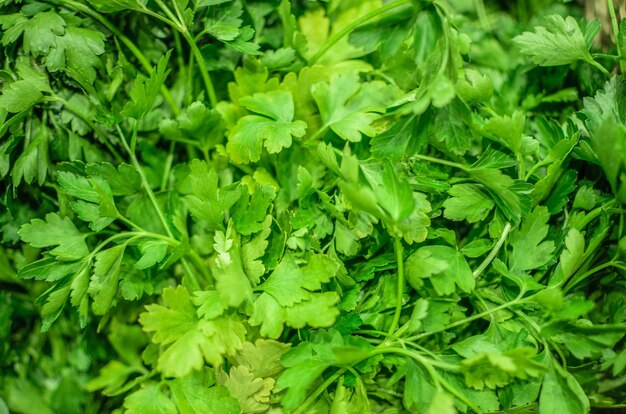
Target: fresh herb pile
355, 206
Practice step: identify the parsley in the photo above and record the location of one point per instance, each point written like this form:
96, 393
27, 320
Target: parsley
280, 206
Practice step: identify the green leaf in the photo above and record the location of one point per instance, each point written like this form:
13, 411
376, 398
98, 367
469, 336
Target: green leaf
77, 53
262, 357
571, 257
191, 339
40, 32
193, 396
273, 129
231, 282
558, 42
224, 22
507, 130
456, 127
404, 137
395, 195
253, 393
289, 284
443, 265
497, 369
606, 112
206, 201
152, 252
56, 231
113, 6
196, 124
145, 90
511, 196
529, 250
105, 279
468, 202
19, 96
351, 402
250, 211
561, 392
349, 107
150, 399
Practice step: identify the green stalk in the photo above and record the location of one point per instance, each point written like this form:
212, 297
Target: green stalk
318, 391
144, 181
349, 28
204, 71
397, 246
494, 252
442, 162
480, 315
615, 26
598, 66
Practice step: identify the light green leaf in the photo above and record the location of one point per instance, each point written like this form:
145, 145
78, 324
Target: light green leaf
558, 42
443, 265
468, 202
56, 231
193, 395
105, 279
188, 340
145, 90
150, 399
529, 250
273, 130
561, 392
19, 96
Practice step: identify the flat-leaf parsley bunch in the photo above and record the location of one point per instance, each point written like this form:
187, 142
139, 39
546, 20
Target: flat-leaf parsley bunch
361, 206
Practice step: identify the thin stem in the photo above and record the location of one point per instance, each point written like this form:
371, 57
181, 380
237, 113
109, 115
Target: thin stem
318, 391
480, 315
310, 140
494, 251
605, 56
349, 28
204, 71
594, 214
168, 166
145, 183
169, 14
397, 246
615, 27
574, 281
599, 67
442, 162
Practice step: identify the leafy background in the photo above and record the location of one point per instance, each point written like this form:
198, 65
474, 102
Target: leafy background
219, 206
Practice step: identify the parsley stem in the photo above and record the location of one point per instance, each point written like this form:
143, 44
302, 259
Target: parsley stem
177, 23
145, 183
349, 28
204, 71
595, 213
598, 66
579, 278
615, 27
319, 390
397, 247
430, 365
442, 162
480, 315
494, 252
